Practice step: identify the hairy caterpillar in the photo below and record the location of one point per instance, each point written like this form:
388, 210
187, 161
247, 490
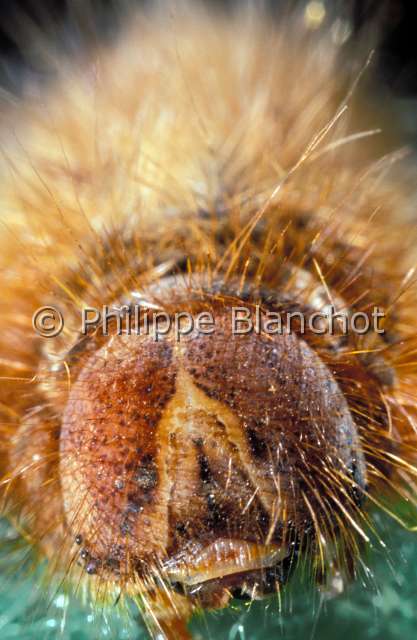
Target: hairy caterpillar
185, 170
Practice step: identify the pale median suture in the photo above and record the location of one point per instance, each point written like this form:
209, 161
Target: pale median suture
199, 164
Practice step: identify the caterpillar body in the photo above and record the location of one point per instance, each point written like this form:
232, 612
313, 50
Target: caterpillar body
199, 165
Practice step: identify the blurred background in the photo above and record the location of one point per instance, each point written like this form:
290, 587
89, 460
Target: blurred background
387, 25
397, 49
383, 604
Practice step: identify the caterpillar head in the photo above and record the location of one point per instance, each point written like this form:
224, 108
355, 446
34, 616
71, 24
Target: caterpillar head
204, 460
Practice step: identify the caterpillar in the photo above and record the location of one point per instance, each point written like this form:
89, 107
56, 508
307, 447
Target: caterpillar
203, 166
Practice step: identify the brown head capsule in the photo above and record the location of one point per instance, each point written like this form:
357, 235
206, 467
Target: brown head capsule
199, 461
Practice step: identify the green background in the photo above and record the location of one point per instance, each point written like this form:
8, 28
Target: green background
381, 605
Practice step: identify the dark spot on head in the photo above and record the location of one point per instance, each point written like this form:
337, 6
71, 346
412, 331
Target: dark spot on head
257, 445
205, 473
146, 476
181, 528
